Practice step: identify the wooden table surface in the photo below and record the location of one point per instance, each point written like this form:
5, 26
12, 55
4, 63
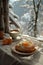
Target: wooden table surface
7, 58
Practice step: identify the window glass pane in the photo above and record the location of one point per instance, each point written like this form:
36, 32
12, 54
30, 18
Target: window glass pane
24, 12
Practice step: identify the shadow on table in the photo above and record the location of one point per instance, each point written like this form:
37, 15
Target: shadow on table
33, 60
7, 60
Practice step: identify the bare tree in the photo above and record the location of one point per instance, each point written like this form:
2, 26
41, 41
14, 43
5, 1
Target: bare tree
6, 16
1, 20
36, 11
1, 16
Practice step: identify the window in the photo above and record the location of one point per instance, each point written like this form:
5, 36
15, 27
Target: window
23, 13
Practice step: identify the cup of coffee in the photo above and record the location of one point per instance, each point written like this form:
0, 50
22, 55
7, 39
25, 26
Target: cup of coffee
14, 33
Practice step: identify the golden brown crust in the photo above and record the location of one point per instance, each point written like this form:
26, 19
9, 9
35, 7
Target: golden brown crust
25, 49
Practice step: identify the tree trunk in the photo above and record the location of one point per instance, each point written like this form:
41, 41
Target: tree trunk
1, 16
6, 16
1, 21
35, 26
36, 10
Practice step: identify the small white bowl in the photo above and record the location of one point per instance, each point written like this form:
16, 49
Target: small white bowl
14, 33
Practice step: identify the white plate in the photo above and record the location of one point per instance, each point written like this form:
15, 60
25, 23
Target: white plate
34, 40
23, 54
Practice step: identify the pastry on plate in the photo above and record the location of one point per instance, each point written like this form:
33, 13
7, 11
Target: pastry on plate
25, 47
